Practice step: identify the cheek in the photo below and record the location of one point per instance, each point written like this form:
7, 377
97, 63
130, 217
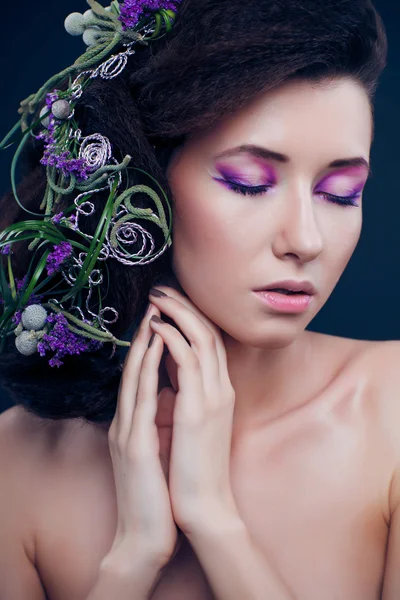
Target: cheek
341, 242
205, 252
205, 237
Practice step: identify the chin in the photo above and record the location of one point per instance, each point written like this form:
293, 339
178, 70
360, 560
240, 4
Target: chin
270, 337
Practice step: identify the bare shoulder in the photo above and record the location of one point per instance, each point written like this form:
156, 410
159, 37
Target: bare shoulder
375, 366
26, 442
21, 447
371, 366
24, 437
30, 444
380, 361
21, 436
378, 370
341, 351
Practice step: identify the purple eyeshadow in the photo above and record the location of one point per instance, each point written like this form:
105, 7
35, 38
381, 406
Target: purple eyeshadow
356, 192
235, 175
328, 182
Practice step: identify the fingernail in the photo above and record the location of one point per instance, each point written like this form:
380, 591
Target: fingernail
152, 339
157, 293
157, 320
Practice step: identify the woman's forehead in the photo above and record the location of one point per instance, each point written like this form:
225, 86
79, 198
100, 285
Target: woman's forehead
335, 115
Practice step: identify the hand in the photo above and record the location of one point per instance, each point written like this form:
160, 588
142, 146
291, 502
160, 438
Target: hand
199, 482
140, 453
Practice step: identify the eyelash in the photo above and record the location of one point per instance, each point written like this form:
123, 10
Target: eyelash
260, 189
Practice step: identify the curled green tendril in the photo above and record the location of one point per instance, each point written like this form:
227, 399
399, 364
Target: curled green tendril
45, 232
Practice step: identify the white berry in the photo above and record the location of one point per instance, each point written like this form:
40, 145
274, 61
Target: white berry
61, 109
34, 317
88, 16
74, 24
91, 35
46, 121
26, 344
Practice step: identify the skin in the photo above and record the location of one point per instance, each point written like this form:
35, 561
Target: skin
226, 245
315, 454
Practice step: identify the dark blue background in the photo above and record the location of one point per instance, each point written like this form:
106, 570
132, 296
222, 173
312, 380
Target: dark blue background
365, 304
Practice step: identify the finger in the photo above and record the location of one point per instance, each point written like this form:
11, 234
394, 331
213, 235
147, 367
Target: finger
165, 407
127, 392
143, 422
190, 380
201, 338
172, 293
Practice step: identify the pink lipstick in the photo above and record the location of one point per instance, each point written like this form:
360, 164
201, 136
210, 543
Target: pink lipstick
287, 296
296, 303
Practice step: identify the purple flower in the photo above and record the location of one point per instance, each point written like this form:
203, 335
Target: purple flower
74, 221
57, 218
5, 249
63, 342
65, 162
17, 317
132, 10
52, 155
55, 259
50, 98
33, 299
20, 283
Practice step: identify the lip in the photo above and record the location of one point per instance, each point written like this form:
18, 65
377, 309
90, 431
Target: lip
279, 302
291, 285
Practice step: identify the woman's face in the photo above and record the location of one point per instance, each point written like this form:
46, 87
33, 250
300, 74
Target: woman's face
230, 239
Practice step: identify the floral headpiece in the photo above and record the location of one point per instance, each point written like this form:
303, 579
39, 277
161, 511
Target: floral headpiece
45, 318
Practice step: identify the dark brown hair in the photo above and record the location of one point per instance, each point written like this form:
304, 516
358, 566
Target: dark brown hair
220, 54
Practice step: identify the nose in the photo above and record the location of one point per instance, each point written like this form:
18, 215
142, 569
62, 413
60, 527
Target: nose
298, 234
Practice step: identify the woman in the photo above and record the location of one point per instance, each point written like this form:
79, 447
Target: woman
239, 455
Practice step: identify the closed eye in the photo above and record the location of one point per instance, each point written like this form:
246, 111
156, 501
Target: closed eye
244, 189
342, 200
262, 189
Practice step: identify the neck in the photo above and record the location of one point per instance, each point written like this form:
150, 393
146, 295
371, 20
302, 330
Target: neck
269, 382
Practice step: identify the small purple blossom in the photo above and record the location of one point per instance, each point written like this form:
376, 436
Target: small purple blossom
50, 98
63, 342
20, 283
33, 298
52, 156
55, 259
17, 317
6, 249
48, 133
74, 221
66, 163
41, 136
132, 10
57, 218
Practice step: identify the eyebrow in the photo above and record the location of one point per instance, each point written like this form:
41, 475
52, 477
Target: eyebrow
261, 152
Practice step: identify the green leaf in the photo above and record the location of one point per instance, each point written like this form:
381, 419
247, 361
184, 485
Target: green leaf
11, 278
35, 278
4, 287
95, 246
9, 135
